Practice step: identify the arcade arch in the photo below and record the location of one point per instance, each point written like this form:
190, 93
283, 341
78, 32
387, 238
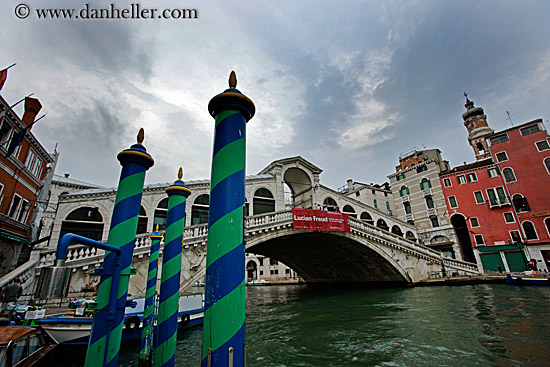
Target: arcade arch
381, 223
263, 201
366, 217
161, 212
396, 230
348, 209
85, 221
199, 209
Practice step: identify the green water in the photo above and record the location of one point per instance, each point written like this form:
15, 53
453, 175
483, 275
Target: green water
478, 325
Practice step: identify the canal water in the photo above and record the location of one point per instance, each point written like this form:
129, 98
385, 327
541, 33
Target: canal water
473, 325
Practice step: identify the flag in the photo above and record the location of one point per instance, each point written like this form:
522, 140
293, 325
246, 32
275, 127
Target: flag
16, 140
3, 77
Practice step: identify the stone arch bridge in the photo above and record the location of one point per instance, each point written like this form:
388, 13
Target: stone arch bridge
366, 254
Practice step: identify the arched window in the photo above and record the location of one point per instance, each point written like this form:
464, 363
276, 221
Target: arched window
396, 230
199, 210
480, 148
330, 204
509, 174
365, 217
142, 221
520, 203
403, 191
529, 230
160, 215
85, 221
425, 184
349, 210
439, 239
388, 206
547, 164
263, 201
430, 202
375, 204
381, 223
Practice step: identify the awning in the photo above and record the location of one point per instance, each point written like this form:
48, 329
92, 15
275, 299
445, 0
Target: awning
12, 236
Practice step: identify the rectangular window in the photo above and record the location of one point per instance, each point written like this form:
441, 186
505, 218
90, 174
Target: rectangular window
22, 215
447, 182
497, 196
435, 222
5, 132
461, 179
38, 168
515, 236
472, 177
15, 204
493, 172
509, 217
542, 145
421, 168
287, 271
528, 130
452, 202
30, 160
479, 197
502, 156
261, 272
479, 239
474, 222
273, 262
501, 195
499, 139
492, 197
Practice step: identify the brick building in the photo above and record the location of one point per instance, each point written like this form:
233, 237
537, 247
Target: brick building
22, 177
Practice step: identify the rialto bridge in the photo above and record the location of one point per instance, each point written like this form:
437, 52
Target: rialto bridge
379, 248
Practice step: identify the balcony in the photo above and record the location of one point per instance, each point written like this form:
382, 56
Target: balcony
427, 192
431, 212
405, 198
498, 203
409, 217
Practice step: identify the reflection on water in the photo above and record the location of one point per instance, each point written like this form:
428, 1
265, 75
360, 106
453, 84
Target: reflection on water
480, 325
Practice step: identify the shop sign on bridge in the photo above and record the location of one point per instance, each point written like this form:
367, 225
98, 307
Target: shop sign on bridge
319, 220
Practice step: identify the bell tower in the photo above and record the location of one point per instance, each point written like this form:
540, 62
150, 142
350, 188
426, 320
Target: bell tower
478, 129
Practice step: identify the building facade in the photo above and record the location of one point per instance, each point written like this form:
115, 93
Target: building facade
498, 205
22, 176
419, 199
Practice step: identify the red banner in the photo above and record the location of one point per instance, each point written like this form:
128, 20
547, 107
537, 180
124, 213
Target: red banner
319, 220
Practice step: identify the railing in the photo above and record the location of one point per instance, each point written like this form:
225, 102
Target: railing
432, 212
427, 192
197, 235
25, 273
405, 198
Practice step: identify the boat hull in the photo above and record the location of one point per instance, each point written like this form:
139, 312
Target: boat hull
528, 279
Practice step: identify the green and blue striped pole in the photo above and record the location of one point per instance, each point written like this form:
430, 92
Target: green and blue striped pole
105, 337
224, 315
149, 312
167, 319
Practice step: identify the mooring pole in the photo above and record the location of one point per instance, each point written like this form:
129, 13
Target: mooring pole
104, 344
148, 314
224, 316
167, 320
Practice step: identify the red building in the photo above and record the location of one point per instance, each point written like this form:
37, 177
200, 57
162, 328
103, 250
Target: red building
498, 205
21, 178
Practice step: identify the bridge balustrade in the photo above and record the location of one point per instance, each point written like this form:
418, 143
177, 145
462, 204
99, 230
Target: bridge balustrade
196, 236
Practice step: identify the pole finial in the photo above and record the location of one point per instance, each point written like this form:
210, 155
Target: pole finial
180, 173
140, 136
157, 229
232, 80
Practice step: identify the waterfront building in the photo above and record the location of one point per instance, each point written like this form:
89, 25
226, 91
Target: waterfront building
498, 204
419, 199
88, 213
24, 179
375, 195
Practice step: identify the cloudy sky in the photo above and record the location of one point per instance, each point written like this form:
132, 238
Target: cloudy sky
348, 85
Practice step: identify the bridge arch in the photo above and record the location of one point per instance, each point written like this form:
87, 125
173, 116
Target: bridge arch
301, 187
321, 257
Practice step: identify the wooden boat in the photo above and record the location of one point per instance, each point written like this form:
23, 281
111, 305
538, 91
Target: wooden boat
529, 277
75, 330
22, 346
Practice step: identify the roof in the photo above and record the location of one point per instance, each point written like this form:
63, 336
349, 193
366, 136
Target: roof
102, 190
469, 166
70, 181
8, 333
516, 127
292, 160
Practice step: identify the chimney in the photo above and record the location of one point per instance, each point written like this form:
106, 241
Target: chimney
350, 184
67, 175
32, 107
